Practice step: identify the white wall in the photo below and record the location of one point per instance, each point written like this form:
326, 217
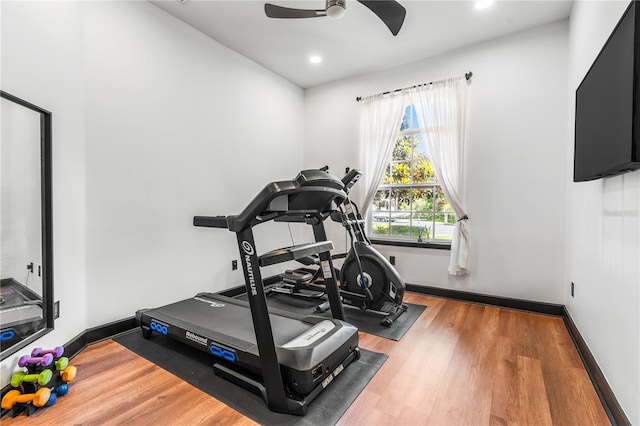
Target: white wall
515, 167
153, 123
178, 126
603, 234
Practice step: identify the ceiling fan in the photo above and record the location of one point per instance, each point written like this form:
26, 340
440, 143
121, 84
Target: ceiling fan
390, 12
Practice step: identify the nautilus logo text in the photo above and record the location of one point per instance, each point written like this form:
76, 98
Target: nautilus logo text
246, 246
248, 249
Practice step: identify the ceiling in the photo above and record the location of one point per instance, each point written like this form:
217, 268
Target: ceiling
359, 42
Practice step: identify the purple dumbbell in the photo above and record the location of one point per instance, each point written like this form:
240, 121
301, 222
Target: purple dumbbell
44, 360
56, 352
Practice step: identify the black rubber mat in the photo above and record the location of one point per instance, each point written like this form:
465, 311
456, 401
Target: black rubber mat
195, 367
366, 321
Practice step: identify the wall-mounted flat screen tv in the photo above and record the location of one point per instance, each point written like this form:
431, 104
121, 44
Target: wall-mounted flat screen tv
607, 127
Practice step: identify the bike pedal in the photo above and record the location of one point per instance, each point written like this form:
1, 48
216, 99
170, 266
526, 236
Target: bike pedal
388, 308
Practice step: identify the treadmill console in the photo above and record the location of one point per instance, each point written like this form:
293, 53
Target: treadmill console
318, 178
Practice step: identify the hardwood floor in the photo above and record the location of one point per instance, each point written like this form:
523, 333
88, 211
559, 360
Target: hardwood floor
460, 364
469, 364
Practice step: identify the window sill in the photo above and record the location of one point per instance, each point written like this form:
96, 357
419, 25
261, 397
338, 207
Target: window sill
401, 243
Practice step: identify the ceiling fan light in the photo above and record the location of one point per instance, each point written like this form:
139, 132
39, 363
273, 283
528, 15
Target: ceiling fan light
335, 9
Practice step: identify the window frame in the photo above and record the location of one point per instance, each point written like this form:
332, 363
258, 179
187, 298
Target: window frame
412, 241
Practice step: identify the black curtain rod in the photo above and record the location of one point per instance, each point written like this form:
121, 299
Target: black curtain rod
467, 76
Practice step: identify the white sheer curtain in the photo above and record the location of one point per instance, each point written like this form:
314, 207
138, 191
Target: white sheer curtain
442, 106
380, 119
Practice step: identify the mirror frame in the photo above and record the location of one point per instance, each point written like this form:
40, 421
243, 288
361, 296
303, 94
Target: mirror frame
46, 220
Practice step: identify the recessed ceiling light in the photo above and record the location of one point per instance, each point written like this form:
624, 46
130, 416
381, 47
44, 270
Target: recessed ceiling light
315, 59
483, 4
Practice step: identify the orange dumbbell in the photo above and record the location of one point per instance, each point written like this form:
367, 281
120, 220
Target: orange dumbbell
38, 399
68, 374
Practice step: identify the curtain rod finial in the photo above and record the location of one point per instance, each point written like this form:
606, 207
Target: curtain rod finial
358, 98
468, 75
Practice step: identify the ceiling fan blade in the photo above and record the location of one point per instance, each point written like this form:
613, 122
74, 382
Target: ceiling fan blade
274, 11
390, 12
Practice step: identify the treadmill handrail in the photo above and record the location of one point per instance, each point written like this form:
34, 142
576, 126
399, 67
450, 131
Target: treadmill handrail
210, 221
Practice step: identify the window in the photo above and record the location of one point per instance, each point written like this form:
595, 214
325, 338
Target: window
410, 204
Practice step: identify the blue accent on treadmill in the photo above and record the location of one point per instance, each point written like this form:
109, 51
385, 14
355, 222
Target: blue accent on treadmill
5, 336
222, 353
162, 329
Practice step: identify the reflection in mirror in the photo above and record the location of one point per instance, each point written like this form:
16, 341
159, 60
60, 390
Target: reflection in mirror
25, 224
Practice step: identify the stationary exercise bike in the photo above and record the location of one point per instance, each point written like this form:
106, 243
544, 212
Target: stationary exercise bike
367, 280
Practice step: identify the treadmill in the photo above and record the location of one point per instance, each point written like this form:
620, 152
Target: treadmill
21, 312
286, 358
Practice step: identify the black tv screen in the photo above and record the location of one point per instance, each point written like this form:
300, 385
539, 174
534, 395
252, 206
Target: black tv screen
607, 106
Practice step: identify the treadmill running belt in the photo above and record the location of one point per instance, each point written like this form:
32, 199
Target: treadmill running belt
233, 322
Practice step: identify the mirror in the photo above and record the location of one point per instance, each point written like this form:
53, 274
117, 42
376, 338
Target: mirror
26, 279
